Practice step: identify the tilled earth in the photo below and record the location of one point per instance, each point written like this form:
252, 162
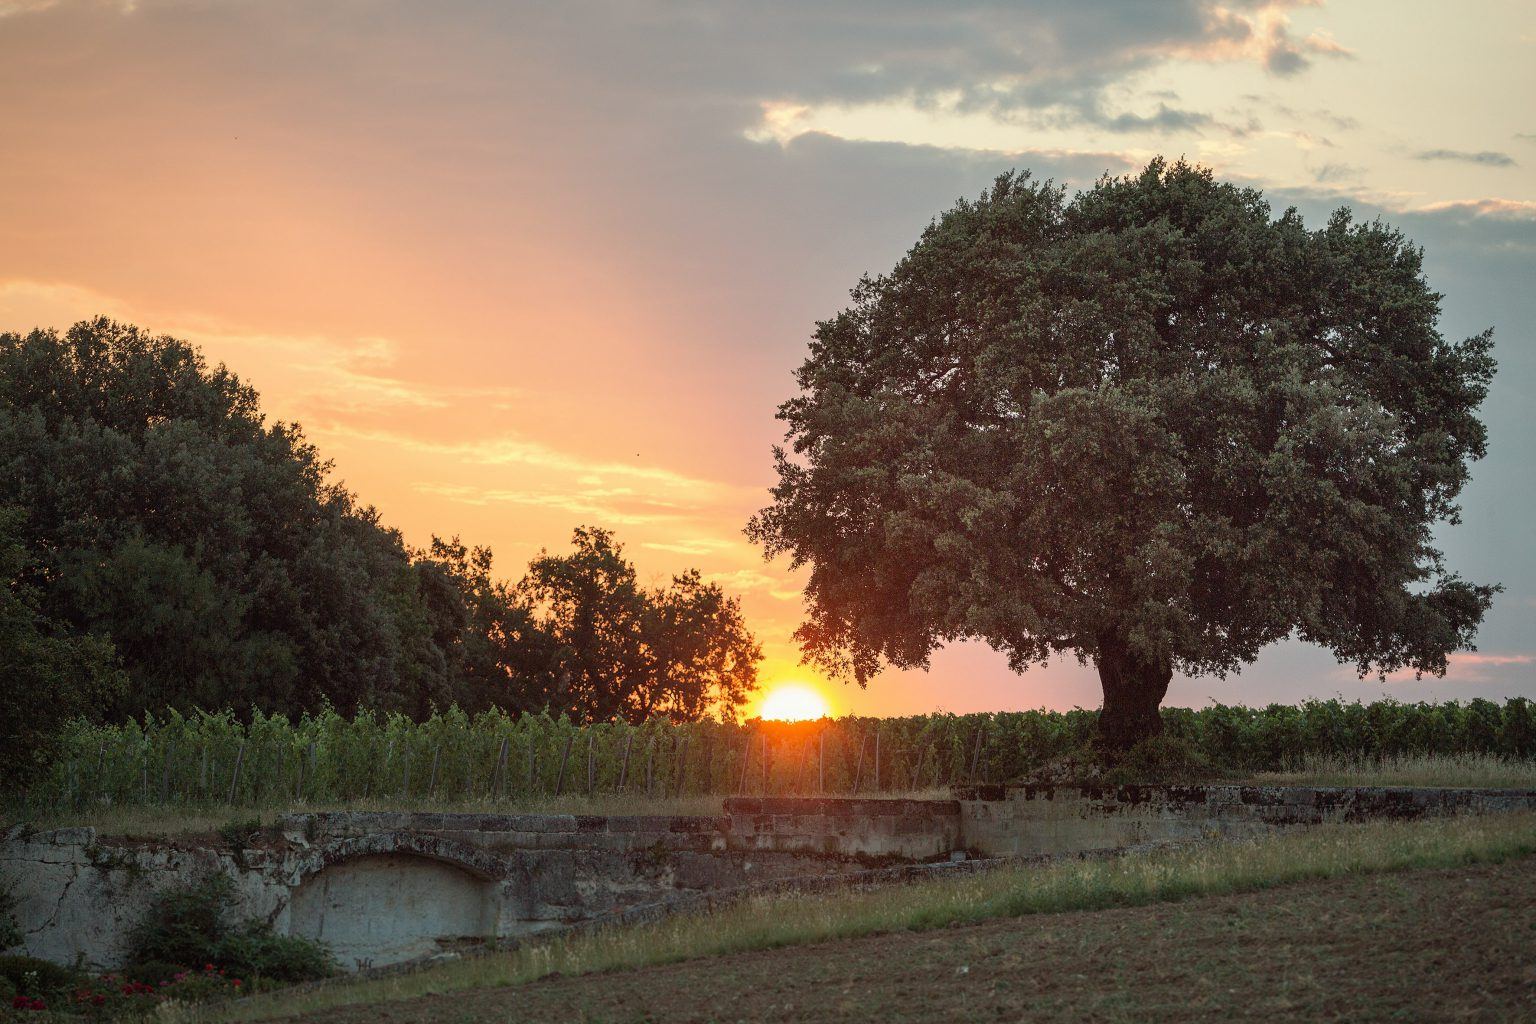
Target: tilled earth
1456, 945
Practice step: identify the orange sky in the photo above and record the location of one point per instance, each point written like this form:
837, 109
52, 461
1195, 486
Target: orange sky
519, 267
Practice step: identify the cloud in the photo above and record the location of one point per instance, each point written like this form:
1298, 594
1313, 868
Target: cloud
1492, 208
1487, 158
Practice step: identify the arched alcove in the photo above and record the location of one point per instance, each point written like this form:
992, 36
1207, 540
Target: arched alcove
386, 908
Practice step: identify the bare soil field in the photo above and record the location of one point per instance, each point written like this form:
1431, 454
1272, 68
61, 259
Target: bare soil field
1449, 945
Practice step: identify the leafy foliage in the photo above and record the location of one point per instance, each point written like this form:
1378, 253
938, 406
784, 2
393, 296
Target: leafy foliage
1148, 425
190, 926
452, 757
51, 673
165, 525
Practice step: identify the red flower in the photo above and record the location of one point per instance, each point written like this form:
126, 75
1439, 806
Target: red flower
98, 999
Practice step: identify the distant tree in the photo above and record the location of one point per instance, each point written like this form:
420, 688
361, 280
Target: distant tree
497, 653
1149, 426
48, 675
625, 652
205, 544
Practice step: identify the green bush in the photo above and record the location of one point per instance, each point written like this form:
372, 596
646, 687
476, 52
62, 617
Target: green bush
191, 925
10, 930
184, 924
253, 950
33, 977
1161, 759
153, 972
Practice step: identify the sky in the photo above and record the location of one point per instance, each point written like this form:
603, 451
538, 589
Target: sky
521, 266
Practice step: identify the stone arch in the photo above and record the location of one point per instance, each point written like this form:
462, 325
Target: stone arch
394, 897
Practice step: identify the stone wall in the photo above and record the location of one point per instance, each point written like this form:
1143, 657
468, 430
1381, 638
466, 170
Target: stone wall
913, 830
385, 888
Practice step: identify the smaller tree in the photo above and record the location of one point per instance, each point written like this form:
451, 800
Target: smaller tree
622, 651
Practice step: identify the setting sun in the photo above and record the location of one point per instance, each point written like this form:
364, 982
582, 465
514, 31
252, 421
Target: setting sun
793, 702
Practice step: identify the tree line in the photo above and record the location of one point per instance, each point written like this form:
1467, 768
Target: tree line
163, 545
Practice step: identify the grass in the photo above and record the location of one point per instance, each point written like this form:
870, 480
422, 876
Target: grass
1478, 771
1474, 771
771, 922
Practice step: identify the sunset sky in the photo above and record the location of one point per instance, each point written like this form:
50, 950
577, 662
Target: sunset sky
521, 266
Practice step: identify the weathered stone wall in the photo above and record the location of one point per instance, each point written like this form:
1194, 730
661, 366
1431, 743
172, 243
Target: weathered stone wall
1012, 821
913, 830
385, 888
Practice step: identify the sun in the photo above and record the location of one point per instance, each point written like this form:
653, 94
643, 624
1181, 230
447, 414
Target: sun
793, 702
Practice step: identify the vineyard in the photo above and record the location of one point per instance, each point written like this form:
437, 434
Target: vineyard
325, 758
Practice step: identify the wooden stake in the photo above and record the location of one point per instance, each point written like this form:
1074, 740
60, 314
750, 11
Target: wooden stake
858, 774
629, 741
746, 761
682, 768
234, 778
591, 764
821, 763
564, 757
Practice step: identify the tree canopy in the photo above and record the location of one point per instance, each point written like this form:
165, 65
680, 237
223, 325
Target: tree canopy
1149, 425
163, 525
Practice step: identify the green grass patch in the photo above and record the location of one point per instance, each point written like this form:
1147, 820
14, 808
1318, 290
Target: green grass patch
771, 922
1471, 771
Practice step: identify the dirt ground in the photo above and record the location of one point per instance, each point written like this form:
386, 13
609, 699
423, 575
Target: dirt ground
1455, 945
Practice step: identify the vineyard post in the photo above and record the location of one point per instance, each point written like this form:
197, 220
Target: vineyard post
234, 776
591, 764
976, 754
650, 764
405, 784
765, 762
310, 757
921, 758
682, 767
858, 772
437, 753
805, 756
144, 773
746, 762
165, 770
821, 761
500, 781
877, 757
299, 793
101, 761
532, 775
629, 741
564, 757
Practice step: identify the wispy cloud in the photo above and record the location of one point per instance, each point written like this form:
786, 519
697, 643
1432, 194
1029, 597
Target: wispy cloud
1486, 157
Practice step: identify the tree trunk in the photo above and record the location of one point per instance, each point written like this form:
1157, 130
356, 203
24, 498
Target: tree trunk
1134, 688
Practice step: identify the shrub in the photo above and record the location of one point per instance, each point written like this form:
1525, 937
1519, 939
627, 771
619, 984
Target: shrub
191, 926
10, 930
254, 950
33, 977
1161, 759
184, 924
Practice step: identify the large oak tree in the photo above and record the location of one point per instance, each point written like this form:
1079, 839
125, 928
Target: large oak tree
1148, 425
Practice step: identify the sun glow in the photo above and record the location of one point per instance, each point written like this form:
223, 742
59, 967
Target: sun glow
793, 702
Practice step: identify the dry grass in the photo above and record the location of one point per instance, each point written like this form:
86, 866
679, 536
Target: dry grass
164, 821
1474, 771
771, 922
